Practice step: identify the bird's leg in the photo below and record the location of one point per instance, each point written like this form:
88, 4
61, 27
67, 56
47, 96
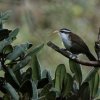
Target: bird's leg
73, 56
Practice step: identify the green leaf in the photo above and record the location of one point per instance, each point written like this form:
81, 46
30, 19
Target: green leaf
18, 75
84, 92
68, 84
8, 41
18, 50
5, 15
35, 91
46, 89
91, 74
35, 50
91, 85
75, 86
46, 74
76, 69
3, 43
36, 71
94, 85
13, 35
27, 87
59, 77
7, 49
51, 95
82, 88
13, 93
11, 78
21, 64
27, 75
30, 88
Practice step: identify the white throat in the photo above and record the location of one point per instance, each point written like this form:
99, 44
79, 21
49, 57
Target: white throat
66, 40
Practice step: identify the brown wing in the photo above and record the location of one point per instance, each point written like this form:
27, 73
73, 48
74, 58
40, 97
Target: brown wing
79, 45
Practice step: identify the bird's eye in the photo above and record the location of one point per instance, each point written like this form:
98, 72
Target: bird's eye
62, 31
65, 31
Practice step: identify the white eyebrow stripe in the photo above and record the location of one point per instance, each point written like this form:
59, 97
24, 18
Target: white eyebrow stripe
66, 30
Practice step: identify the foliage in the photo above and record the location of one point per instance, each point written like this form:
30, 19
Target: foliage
34, 84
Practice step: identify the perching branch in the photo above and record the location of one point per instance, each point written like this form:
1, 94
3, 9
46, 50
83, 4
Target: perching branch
97, 46
68, 55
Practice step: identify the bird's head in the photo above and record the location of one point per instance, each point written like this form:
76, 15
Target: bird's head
63, 31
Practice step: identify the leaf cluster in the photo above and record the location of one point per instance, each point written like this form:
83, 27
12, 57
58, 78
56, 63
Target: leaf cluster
34, 84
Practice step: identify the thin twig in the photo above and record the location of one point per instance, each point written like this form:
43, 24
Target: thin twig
67, 54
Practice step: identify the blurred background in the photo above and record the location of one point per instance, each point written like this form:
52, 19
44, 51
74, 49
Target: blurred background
37, 19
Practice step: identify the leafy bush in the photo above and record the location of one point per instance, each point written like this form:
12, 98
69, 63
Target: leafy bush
32, 84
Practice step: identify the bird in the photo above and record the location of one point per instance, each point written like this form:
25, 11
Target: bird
75, 44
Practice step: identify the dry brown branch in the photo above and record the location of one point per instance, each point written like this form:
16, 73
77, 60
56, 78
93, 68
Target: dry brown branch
67, 54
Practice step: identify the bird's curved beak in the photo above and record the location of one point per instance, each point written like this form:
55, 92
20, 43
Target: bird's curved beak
56, 31
53, 34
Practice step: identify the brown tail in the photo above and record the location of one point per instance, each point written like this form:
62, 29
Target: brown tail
90, 56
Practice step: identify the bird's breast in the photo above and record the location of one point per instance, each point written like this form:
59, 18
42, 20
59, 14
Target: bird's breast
66, 40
